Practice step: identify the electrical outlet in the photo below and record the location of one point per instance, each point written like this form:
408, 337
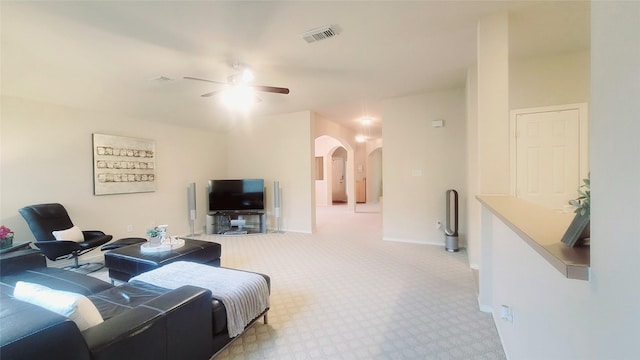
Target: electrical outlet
129, 228
506, 313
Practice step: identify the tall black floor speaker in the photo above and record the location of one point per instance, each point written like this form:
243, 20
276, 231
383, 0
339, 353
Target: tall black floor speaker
191, 204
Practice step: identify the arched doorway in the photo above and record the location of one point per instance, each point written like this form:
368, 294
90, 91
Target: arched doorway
338, 179
334, 172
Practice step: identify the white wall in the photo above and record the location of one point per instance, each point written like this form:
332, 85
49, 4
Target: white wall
549, 310
543, 80
473, 206
558, 318
278, 148
46, 153
420, 163
549, 80
47, 157
360, 161
615, 170
374, 175
493, 104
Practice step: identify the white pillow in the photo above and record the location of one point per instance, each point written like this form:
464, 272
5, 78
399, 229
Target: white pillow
76, 307
72, 234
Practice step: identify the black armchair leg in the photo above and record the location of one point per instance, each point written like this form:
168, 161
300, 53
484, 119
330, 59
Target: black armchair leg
84, 268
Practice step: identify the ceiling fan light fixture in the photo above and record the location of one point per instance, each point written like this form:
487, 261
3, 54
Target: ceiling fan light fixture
238, 97
247, 76
244, 77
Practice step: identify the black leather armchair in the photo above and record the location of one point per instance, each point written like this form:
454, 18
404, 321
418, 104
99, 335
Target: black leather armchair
43, 219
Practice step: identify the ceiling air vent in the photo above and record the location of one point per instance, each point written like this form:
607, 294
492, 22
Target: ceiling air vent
318, 34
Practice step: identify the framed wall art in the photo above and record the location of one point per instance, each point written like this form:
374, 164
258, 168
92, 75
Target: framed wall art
123, 165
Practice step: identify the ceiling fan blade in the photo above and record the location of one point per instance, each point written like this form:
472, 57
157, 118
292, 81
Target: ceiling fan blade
213, 93
272, 89
209, 94
205, 80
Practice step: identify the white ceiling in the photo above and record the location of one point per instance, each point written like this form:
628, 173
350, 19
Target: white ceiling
107, 56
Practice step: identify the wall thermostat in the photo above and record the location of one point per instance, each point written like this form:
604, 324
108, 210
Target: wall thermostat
437, 123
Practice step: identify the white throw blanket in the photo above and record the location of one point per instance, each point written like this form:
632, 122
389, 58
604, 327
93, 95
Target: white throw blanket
245, 295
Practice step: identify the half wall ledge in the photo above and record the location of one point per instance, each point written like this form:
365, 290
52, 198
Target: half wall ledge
542, 229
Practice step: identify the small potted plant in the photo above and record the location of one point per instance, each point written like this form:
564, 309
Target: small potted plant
155, 235
582, 203
6, 237
579, 231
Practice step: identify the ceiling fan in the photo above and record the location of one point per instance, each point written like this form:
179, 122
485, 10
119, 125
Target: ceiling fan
242, 79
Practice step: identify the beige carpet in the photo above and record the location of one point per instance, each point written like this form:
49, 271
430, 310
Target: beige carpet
343, 293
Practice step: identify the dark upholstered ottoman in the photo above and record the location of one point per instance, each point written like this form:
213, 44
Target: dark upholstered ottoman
129, 261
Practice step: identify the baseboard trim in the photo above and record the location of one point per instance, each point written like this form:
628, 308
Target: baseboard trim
485, 308
408, 241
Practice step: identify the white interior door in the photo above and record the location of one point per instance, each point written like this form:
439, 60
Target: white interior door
548, 156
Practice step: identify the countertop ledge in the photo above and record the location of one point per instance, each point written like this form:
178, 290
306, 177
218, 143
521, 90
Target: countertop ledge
542, 229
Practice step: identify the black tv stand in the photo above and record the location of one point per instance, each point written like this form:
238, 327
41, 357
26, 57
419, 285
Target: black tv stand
236, 222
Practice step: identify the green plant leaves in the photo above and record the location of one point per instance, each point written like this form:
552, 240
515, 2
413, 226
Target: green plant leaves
583, 202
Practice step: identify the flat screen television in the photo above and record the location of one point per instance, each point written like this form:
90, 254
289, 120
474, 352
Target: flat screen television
234, 195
